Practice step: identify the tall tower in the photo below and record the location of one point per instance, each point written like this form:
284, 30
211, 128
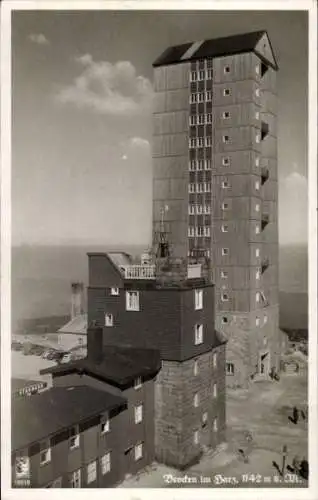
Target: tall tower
215, 166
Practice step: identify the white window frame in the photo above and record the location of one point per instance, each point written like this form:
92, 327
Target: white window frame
257, 92
225, 139
199, 231
208, 141
76, 478
192, 120
207, 187
109, 320
196, 400
206, 231
257, 207
257, 185
200, 165
226, 115
215, 390
257, 229
193, 98
105, 426
200, 142
258, 274
257, 69
200, 97
138, 383
225, 161
191, 187
196, 438
225, 228
208, 118
209, 74
138, 413
198, 334
105, 463
226, 92
207, 209
191, 209
225, 185
215, 424
224, 320
47, 450
91, 472
207, 164
201, 75
265, 319
132, 300
207, 252
257, 252
257, 161
193, 76
208, 95
226, 69
191, 232
230, 368
200, 187
224, 274
192, 165
257, 115
199, 210
257, 297
195, 367
200, 119
257, 321
225, 206
225, 251
198, 299
114, 290
192, 142
74, 440
257, 138
224, 297
138, 451
215, 360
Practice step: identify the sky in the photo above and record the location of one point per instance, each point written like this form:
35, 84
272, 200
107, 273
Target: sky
82, 118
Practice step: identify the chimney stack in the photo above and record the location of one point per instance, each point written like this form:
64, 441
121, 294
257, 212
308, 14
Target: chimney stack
77, 299
95, 343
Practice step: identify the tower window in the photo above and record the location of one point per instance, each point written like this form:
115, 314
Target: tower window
191, 210
200, 164
191, 232
114, 291
193, 98
196, 437
209, 74
257, 115
192, 165
207, 187
200, 187
195, 368
198, 299
198, 334
257, 207
224, 320
132, 301
225, 161
191, 188
227, 69
138, 451
225, 228
192, 143
201, 75
224, 274
257, 321
224, 297
215, 390
258, 138
192, 120
206, 231
258, 274
215, 424
208, 118
257, 252
108, 319
200, 119
225, 185
257, 69
200, 142
196, 400
258, 297
257, 230
225, 251
208, 95
226, 92
257, 92
215, 360
208, 140
138, 414
225, 206
204, 417
257, 185
226, 139
230, 368
257, 161
193, 76
207, 209
207, 164
265, 319
200, 97
226, 114
199, 209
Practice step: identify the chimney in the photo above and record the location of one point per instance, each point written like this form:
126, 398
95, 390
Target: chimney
77, 299
95, 343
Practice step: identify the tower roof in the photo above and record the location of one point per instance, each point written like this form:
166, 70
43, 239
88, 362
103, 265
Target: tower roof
218, 47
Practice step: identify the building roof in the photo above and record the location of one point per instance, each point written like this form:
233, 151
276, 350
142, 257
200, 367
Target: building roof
77, 325
49, 412
217, 47
119, 366
120, 258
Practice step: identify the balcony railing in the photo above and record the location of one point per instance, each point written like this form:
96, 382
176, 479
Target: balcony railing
139, 272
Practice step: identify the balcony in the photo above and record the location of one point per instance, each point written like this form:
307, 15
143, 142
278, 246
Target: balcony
139, 272
194, 271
